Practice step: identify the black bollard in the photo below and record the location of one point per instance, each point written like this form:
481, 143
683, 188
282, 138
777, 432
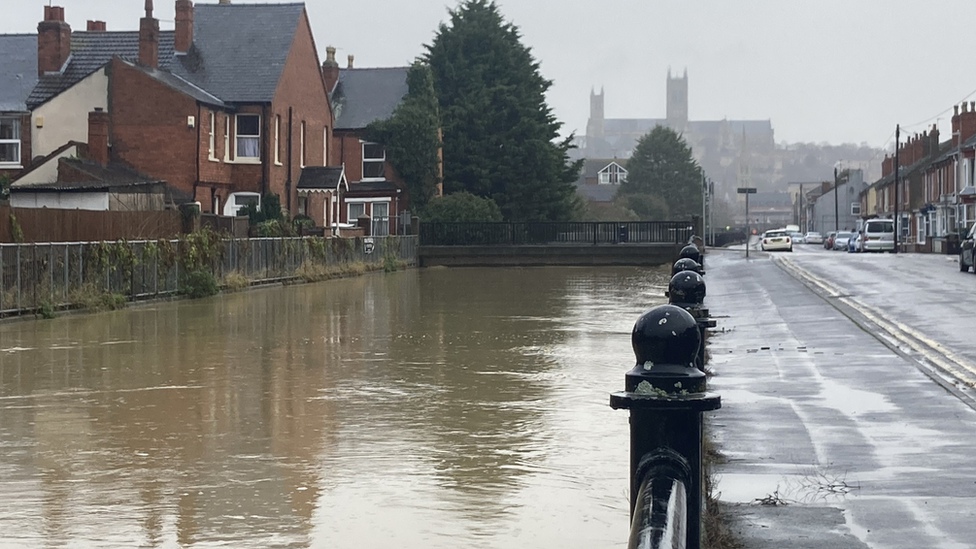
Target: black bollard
686, 264
687, 290
691, 252
666, 397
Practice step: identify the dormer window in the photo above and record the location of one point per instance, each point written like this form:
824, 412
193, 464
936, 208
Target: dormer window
612, 174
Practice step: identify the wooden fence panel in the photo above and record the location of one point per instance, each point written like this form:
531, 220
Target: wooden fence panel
50, 225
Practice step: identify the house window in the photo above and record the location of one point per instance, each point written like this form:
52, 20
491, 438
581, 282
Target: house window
277, 143
920, 222
355, 211
212, 144
612, 175
855, 208
380, 218
226, 137
301, 146
10, 141
248, 136
302, 205
374, 161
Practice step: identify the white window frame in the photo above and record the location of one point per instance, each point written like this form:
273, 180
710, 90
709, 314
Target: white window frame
226, 137
612, 174
19, 145
855, 208
349, 205
383, 223
277, 141
920, 229
238, 137
372, 161
301, 144
212, 141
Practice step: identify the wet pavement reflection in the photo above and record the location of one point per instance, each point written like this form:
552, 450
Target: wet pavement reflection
427, 408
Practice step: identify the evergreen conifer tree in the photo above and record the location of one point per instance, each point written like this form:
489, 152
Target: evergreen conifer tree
501, 139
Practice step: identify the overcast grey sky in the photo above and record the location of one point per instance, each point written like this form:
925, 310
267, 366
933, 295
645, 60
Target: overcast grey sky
822, 70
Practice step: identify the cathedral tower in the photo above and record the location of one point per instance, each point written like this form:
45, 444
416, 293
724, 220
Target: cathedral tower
678, 101
594, 127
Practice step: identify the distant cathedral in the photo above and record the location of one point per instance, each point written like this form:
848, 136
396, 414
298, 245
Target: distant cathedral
728, 149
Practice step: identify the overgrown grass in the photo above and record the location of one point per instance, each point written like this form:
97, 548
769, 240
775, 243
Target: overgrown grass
235, 281
314, 272
93, 298
199, 283
717, 533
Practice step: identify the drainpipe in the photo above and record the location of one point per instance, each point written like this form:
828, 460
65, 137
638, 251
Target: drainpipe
265, 169
288, 178
197, 181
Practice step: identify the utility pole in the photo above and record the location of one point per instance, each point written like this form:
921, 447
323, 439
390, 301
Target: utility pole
711, 210
836, 211
803, 227
897, 140
747, 191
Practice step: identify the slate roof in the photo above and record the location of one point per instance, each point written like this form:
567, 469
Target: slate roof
372, 187
239, 50
18, 70
89, 52
114, 175
320, 177
364, 95
178, 84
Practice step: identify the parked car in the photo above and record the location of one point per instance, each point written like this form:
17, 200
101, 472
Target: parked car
813, 238
879, 235
966, 250
776, 240
798, 238
855, 244
829, 241
840, 240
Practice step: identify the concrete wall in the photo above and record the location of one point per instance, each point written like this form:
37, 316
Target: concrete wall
60, 201
65, 116
533, 256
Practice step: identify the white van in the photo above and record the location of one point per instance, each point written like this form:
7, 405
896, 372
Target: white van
879, 235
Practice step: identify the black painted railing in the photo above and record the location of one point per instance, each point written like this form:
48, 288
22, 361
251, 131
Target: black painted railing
554, 232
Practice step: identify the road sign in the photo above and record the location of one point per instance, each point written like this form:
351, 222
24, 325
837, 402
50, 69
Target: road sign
368, 245
746, 190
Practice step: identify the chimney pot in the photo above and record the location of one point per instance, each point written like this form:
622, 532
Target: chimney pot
955, 109
53, 41
183, 36
330, 69
351, 58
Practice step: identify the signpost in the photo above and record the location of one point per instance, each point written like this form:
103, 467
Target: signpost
747, 191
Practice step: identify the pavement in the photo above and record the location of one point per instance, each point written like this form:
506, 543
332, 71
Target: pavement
842, 424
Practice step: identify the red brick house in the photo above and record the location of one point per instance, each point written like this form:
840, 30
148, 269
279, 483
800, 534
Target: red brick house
359, 97
228, 106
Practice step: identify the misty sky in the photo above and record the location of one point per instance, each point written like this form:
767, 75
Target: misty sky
821, 70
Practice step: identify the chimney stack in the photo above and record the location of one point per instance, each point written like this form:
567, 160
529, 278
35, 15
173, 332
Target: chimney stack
351, 58
53, 41
330, 69
967, 122
955, 125
183, 37
149, 38
98, 136
224, 2
96, 26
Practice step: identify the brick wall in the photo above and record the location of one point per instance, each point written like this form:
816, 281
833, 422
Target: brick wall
149, 127
302, 90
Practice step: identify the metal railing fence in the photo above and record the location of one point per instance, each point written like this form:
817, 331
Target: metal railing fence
63, 274
554, 232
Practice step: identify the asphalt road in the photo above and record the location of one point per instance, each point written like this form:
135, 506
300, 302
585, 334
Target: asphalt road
836, 432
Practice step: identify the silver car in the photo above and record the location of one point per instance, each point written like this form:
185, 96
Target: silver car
840, 240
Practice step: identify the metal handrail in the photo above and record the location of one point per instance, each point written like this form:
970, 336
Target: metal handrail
660, 517
553, 232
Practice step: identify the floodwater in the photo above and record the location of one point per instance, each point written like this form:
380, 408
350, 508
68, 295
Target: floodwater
430, 408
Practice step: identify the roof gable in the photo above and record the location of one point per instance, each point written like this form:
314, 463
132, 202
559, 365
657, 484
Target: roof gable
322, 178
362, 96
239, 50
18, 70
89, 52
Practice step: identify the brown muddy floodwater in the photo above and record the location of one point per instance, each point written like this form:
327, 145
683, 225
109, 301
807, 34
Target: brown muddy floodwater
434, 408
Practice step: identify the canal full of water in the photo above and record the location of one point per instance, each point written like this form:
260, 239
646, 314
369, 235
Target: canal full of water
432, 408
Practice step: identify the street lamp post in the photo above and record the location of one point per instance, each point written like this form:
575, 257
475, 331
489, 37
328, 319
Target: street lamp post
747, 191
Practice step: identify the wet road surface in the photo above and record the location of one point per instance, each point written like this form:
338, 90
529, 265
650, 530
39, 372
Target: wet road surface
861, 444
